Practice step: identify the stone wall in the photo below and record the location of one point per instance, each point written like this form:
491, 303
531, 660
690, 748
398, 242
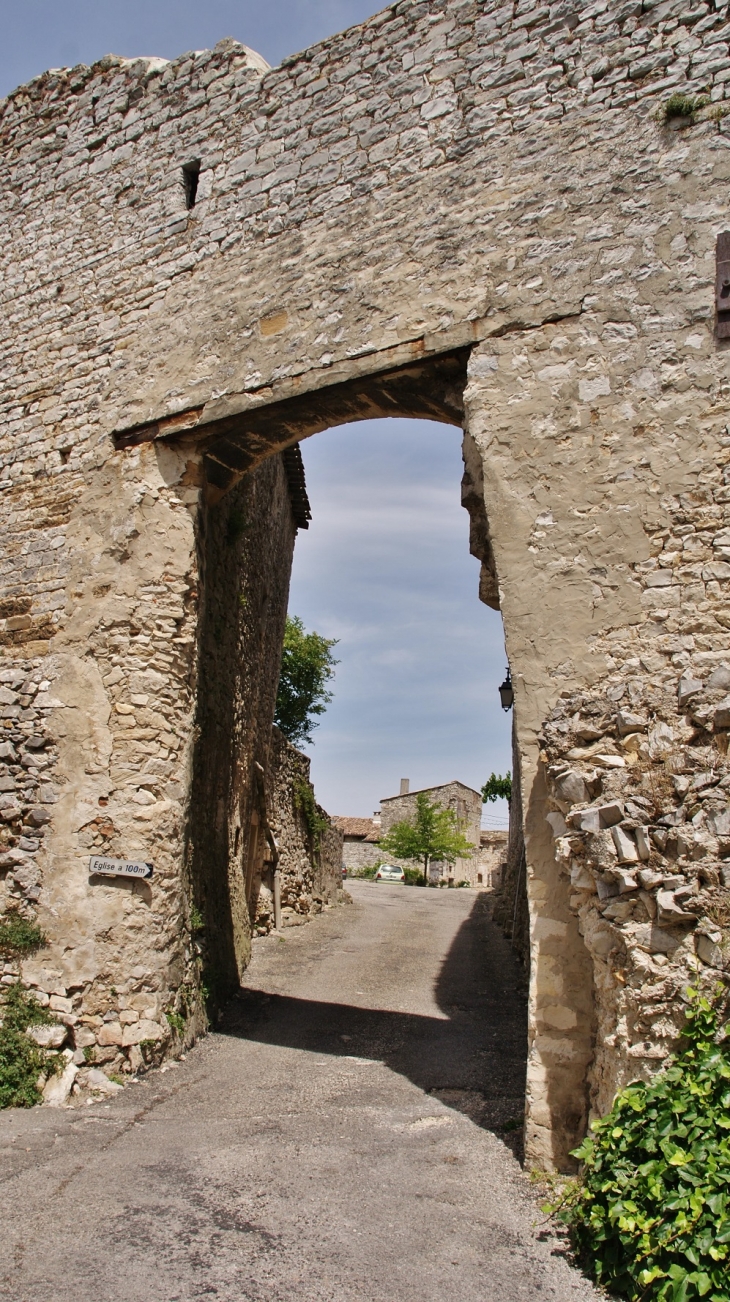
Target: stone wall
453, 185
247, 546
362, 854
487, 866
307, 857
510, 908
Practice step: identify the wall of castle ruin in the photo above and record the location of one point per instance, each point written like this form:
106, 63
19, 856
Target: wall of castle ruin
491, 182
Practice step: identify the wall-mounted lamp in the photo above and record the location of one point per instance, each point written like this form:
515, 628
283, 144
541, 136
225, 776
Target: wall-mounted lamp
507, 692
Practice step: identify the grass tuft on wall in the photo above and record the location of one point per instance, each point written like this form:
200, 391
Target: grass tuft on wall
18, 935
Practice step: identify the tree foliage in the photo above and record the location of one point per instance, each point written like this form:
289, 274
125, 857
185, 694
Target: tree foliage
650, 1217
433, 834
497, 787
307, 665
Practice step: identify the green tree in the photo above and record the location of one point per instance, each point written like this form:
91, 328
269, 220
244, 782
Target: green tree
307, 665
433, 834
497, 787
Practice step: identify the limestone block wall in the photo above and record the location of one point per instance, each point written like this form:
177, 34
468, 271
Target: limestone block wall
510, 907
602, 536
98, 746
309, 863
361, 854
450, 183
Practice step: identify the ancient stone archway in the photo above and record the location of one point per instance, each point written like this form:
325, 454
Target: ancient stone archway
480, 185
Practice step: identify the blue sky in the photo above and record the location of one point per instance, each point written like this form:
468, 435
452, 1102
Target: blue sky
40, 34
385, 566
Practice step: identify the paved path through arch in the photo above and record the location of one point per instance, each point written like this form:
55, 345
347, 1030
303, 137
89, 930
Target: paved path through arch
337, 1141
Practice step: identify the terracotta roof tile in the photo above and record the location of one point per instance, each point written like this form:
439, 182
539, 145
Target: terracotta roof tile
364, 828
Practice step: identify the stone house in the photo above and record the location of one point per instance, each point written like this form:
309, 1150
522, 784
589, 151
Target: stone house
361, 836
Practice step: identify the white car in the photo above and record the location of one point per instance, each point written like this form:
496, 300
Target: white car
388, 873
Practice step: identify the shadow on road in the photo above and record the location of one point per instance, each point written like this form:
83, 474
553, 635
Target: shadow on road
473, 1059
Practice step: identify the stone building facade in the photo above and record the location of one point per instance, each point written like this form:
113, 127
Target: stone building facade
360, 837
482, 868
465, 803
490, 859
464, 210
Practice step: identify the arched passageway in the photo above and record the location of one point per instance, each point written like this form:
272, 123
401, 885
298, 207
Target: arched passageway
246, 543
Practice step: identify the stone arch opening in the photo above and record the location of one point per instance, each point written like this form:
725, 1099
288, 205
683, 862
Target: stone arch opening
246, 530
253, 502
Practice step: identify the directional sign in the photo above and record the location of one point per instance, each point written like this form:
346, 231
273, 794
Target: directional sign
120, 867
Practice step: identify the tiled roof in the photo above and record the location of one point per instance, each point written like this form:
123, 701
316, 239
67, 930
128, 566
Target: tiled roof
363, 828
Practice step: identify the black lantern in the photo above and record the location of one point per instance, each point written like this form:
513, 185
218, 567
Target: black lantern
507, 692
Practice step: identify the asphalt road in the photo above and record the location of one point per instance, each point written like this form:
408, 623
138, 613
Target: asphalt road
342, 1138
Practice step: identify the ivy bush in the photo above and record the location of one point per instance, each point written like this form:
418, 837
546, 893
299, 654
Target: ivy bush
305, 803
683, 106
650, 1216
21, 1060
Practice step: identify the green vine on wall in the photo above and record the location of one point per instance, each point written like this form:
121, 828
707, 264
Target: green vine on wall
650, 1216
306, 805
18, 935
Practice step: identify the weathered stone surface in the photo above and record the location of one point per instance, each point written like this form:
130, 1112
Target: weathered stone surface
643, 845
720, 678
688, 688
670, 911
83, 1037
530, 260
97, 1080
48, 1037
708, 947
721, 717
571, 788
625, 844
627, 722
57, 1088
625, 881
139, 1031
110, 1033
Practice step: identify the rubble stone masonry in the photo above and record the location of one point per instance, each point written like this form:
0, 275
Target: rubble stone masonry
453, 186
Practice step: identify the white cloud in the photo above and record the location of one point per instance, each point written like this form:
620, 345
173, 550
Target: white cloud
385, 568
